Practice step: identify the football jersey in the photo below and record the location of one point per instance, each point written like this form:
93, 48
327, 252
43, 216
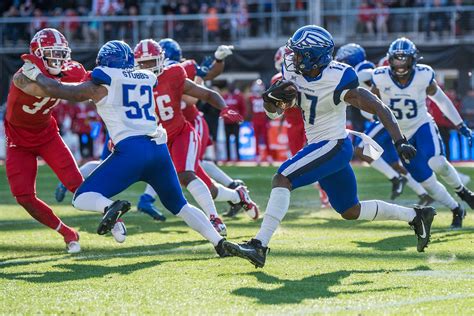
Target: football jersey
128, 108
168, 94
408, 102
322, 99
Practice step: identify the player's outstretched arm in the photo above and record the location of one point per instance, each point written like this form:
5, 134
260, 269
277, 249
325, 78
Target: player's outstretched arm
205, 94
76, 93
28, 86
217, 67
369, 102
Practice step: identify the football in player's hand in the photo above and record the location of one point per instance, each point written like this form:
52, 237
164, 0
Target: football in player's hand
291, 93
282, 94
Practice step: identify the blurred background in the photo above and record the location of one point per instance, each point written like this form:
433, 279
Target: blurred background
443, 30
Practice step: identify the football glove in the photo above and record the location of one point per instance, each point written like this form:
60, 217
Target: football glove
466, 132
223, 51
277, 93
231, 116
405, 150
203, 69
33, 66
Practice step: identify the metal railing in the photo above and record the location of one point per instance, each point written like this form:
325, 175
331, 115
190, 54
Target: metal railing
446, 25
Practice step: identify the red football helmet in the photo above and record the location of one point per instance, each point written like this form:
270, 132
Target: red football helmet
147, 50
280, 56
50, 45
383, 61
257, 87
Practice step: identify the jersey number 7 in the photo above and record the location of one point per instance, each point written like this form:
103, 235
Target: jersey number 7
138, 111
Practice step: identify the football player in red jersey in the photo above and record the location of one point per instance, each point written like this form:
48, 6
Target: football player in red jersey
294, 119
32, 131
259, 118
183, 141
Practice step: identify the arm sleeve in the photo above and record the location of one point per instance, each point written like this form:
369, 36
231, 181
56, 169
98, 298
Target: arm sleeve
348, 81
446, 106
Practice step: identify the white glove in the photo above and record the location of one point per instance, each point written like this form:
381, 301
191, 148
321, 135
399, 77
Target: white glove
223, 51
30, 70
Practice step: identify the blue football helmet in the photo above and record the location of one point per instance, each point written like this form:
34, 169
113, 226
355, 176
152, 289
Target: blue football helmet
116, 54
313, 47
172, 49
402, 57
351, 54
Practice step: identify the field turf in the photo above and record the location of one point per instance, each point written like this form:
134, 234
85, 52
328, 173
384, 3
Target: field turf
318, 262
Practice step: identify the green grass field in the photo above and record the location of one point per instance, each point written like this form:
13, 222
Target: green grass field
318, 263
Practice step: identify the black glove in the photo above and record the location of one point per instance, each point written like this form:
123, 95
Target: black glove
277, 93
405, 150
466, 132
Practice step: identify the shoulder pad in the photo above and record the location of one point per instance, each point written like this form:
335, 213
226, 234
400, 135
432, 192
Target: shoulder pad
99, 76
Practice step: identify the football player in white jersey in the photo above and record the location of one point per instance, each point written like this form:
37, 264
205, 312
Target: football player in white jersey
404, 85
388, 164
324, 88
124, 100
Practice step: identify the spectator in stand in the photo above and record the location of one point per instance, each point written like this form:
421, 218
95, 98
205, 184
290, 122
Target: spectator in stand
212, 24
381, 18
12, 31
438, 21
38, 22
462, 18
366, 17
234, 100
444, 125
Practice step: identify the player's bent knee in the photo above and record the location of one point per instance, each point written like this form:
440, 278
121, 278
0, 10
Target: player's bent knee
439, 164
352, 213
26, 201
280, 180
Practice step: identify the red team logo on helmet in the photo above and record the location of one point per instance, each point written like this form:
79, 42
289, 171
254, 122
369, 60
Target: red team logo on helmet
147, 50
50, 45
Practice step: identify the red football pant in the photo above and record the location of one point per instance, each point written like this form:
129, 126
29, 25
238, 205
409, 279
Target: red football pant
260, 130
296, 138
21, 168
201, 127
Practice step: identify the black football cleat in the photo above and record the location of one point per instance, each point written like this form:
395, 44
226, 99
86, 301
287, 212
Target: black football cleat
425, 200
111, 214
458, 215
467, 196
398, 184
421, 224
252, 250
220, 249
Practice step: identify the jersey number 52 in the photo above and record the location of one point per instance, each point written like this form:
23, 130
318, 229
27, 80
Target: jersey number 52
138, 109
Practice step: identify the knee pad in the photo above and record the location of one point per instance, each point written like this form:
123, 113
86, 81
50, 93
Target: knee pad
439, 164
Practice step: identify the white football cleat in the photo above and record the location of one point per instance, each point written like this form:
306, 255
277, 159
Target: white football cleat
250, 207
73, 247
119, 231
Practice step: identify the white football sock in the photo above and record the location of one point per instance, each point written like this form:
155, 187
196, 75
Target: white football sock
87, 168
383, 167
216, 173
202, 195
196, 219
276, 209
438, 192
91, 201
375, 210
442, 167
150, 191
414, 185
226, 194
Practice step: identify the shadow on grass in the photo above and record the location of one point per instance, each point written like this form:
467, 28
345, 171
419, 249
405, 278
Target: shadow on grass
408, 241
312, 287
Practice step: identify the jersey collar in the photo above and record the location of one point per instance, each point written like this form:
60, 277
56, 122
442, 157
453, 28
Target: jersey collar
397, 83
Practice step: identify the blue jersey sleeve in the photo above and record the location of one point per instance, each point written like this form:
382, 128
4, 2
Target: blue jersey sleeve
348, 81
100, 77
